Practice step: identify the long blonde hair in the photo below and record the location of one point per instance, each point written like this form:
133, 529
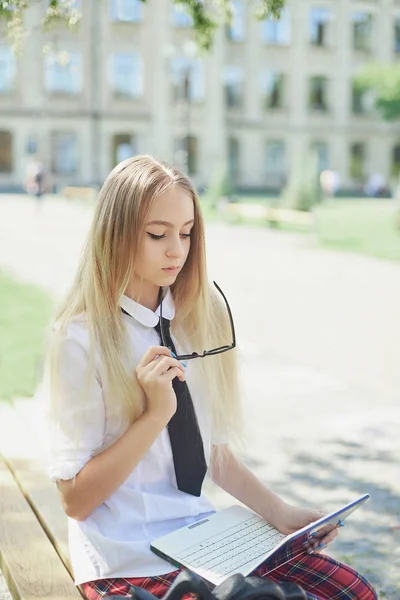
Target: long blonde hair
106, 265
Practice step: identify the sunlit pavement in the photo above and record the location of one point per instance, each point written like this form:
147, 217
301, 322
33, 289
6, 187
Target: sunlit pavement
319, 335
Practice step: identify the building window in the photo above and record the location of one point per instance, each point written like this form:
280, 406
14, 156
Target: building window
318, 93
397, 35
277, 31
31, 144
64, 153
234, 79
7, 69
188, 79
361, 100
180, 16
63, 73
396, 162
127, 75
236, 31
362, 31
124, 145
357, 160
319, 25
321, 151
275, 162
6, 152
273, 89
233, 158
126, 10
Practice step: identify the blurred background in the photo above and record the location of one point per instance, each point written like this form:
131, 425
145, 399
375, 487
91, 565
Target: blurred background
285, 114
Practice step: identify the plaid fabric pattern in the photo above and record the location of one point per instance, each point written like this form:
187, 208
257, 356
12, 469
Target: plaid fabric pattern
322, 578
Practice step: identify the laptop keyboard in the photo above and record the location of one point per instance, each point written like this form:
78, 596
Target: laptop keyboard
229, 550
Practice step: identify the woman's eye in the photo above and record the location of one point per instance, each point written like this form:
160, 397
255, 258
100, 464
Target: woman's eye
156, 237
185, 235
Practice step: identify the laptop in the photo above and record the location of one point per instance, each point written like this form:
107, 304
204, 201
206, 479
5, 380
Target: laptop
236, 540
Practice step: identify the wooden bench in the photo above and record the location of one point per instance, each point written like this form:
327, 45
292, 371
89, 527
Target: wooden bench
270, 214
276, 215
33, 527
78, 193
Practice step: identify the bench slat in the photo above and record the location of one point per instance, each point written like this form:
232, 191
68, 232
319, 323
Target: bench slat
31, 566
22, 448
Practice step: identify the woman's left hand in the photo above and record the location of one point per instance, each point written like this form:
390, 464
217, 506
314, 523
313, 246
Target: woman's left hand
292, 518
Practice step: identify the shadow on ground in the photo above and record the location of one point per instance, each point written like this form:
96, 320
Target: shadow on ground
331, 473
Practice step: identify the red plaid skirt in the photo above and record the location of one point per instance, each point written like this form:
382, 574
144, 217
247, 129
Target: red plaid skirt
320, 576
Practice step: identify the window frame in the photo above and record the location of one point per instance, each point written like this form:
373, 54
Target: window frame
135, 78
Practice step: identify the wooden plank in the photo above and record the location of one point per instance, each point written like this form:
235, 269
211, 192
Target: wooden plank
285, 215
269, 213
22, 447
30, 564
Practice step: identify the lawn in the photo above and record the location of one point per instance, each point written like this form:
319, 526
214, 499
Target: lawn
366, 226
25, 312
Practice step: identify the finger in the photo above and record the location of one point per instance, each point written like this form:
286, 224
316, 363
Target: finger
172, 373
327, 539
321, 532
151, 354
315, 548
319, 544
162, 366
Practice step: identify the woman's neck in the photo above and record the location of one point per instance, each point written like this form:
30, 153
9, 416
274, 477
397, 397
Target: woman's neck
144, 293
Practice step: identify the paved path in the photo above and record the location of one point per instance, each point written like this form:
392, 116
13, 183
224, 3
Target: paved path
319, 335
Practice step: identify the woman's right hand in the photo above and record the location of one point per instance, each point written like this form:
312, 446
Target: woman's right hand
155, 373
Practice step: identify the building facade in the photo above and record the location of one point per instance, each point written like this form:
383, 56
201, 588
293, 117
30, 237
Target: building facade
131, 81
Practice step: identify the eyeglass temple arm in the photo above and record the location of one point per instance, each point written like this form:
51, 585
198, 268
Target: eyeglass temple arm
229, 313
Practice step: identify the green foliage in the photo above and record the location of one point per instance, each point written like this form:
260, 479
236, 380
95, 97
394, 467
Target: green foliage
364, 226
205, 21
269, 8
24, 315
303, 190
384, 81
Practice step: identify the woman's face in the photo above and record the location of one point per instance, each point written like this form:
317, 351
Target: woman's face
165, 241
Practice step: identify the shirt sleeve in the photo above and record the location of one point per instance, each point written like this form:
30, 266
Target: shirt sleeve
76, 412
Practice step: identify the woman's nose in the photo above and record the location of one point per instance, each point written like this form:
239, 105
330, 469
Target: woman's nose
175, 248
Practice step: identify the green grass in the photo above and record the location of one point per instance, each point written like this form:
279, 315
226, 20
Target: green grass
363, 226
25, 312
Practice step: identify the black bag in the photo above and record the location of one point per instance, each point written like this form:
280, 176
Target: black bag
235, 587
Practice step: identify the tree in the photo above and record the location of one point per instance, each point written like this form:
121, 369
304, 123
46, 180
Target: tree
205, 20
383, 82
303, 190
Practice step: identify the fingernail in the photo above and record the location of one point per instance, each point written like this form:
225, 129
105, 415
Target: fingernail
320, 546
174, 355
340, 523
313, 534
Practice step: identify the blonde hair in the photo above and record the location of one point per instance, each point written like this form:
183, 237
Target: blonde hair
106, 265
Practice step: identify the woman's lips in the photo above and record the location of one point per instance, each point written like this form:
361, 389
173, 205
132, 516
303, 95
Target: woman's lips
171, 269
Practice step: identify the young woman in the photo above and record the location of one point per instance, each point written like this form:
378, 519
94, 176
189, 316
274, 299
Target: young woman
134, 429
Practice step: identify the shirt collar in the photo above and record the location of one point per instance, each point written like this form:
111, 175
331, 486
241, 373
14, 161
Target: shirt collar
144, 315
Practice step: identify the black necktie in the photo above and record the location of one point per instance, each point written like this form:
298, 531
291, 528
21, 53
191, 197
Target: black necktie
186, 443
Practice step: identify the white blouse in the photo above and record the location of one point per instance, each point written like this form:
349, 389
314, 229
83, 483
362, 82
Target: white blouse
115, 540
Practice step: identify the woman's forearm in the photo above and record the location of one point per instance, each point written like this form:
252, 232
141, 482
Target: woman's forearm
107, 471
234, 477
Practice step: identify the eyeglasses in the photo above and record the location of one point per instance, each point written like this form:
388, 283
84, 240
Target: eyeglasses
206, 352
